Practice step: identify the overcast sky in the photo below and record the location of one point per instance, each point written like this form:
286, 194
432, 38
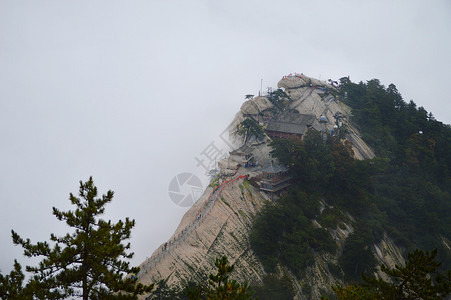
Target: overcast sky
131, 92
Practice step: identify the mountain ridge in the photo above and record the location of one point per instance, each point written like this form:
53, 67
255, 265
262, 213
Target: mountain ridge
170, 261
220, 222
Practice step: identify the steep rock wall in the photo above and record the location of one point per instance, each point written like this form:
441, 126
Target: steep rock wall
311, 96
222, 229
220, 221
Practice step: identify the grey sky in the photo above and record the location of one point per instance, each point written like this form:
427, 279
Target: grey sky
131, 92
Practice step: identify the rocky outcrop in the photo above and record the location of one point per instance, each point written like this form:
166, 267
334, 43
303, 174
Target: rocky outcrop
220, 221
387, 253
218, 224
256, 106
300, 80
310, 97
317, 97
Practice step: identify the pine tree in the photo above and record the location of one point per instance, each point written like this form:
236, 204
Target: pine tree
414, 280
250, 128
11, 286
419, 278
220, 287
87, 262
223, 288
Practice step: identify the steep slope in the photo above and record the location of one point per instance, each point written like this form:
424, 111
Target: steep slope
317, 97
220, 222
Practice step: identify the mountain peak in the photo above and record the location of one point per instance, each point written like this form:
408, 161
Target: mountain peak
219, 223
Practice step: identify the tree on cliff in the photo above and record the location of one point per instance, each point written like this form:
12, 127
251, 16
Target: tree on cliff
250, 128
11, 286
417, 279
220, 287
223, 287
279, 99
87, 262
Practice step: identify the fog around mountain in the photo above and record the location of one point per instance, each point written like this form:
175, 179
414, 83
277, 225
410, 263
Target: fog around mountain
132, 93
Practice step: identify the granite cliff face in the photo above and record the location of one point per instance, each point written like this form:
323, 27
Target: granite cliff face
220, 221
317, 97
218, 224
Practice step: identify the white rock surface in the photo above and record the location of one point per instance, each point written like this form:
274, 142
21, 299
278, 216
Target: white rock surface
309, 100
219, 223
256, 105
222, 229
387, 253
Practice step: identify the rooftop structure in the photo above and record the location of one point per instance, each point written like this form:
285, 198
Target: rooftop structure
275, 179
291, 124
242, 155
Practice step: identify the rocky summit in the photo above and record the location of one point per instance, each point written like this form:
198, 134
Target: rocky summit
219, 223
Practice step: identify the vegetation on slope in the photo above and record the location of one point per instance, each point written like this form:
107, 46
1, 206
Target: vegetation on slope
411, 182
284, 232
90, 262
404, 192
219, 286
419, 278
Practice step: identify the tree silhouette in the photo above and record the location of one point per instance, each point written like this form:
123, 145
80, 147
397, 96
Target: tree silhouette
11, 286
223, 288
87, 262
419, 278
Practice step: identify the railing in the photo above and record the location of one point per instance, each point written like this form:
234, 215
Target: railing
200, 216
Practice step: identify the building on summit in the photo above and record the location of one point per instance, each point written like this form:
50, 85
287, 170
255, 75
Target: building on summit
291, 124
275, 179
243, 156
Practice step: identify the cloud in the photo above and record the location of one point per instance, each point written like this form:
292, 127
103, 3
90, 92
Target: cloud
131, 93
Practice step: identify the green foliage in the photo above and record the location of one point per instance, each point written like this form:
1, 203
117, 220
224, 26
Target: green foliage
225, 202
275, 288
404, 192
283, 232
220, 286
331, 217
163, 291
194, 291
11, 286
413, 280
246, 184
398, 130
419, 278
279, 99
334, 269
250, 128
410, 184
353, 292
307, 290
214, 183
313, 163
223, 287
241, 212
86, 262
357, 256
